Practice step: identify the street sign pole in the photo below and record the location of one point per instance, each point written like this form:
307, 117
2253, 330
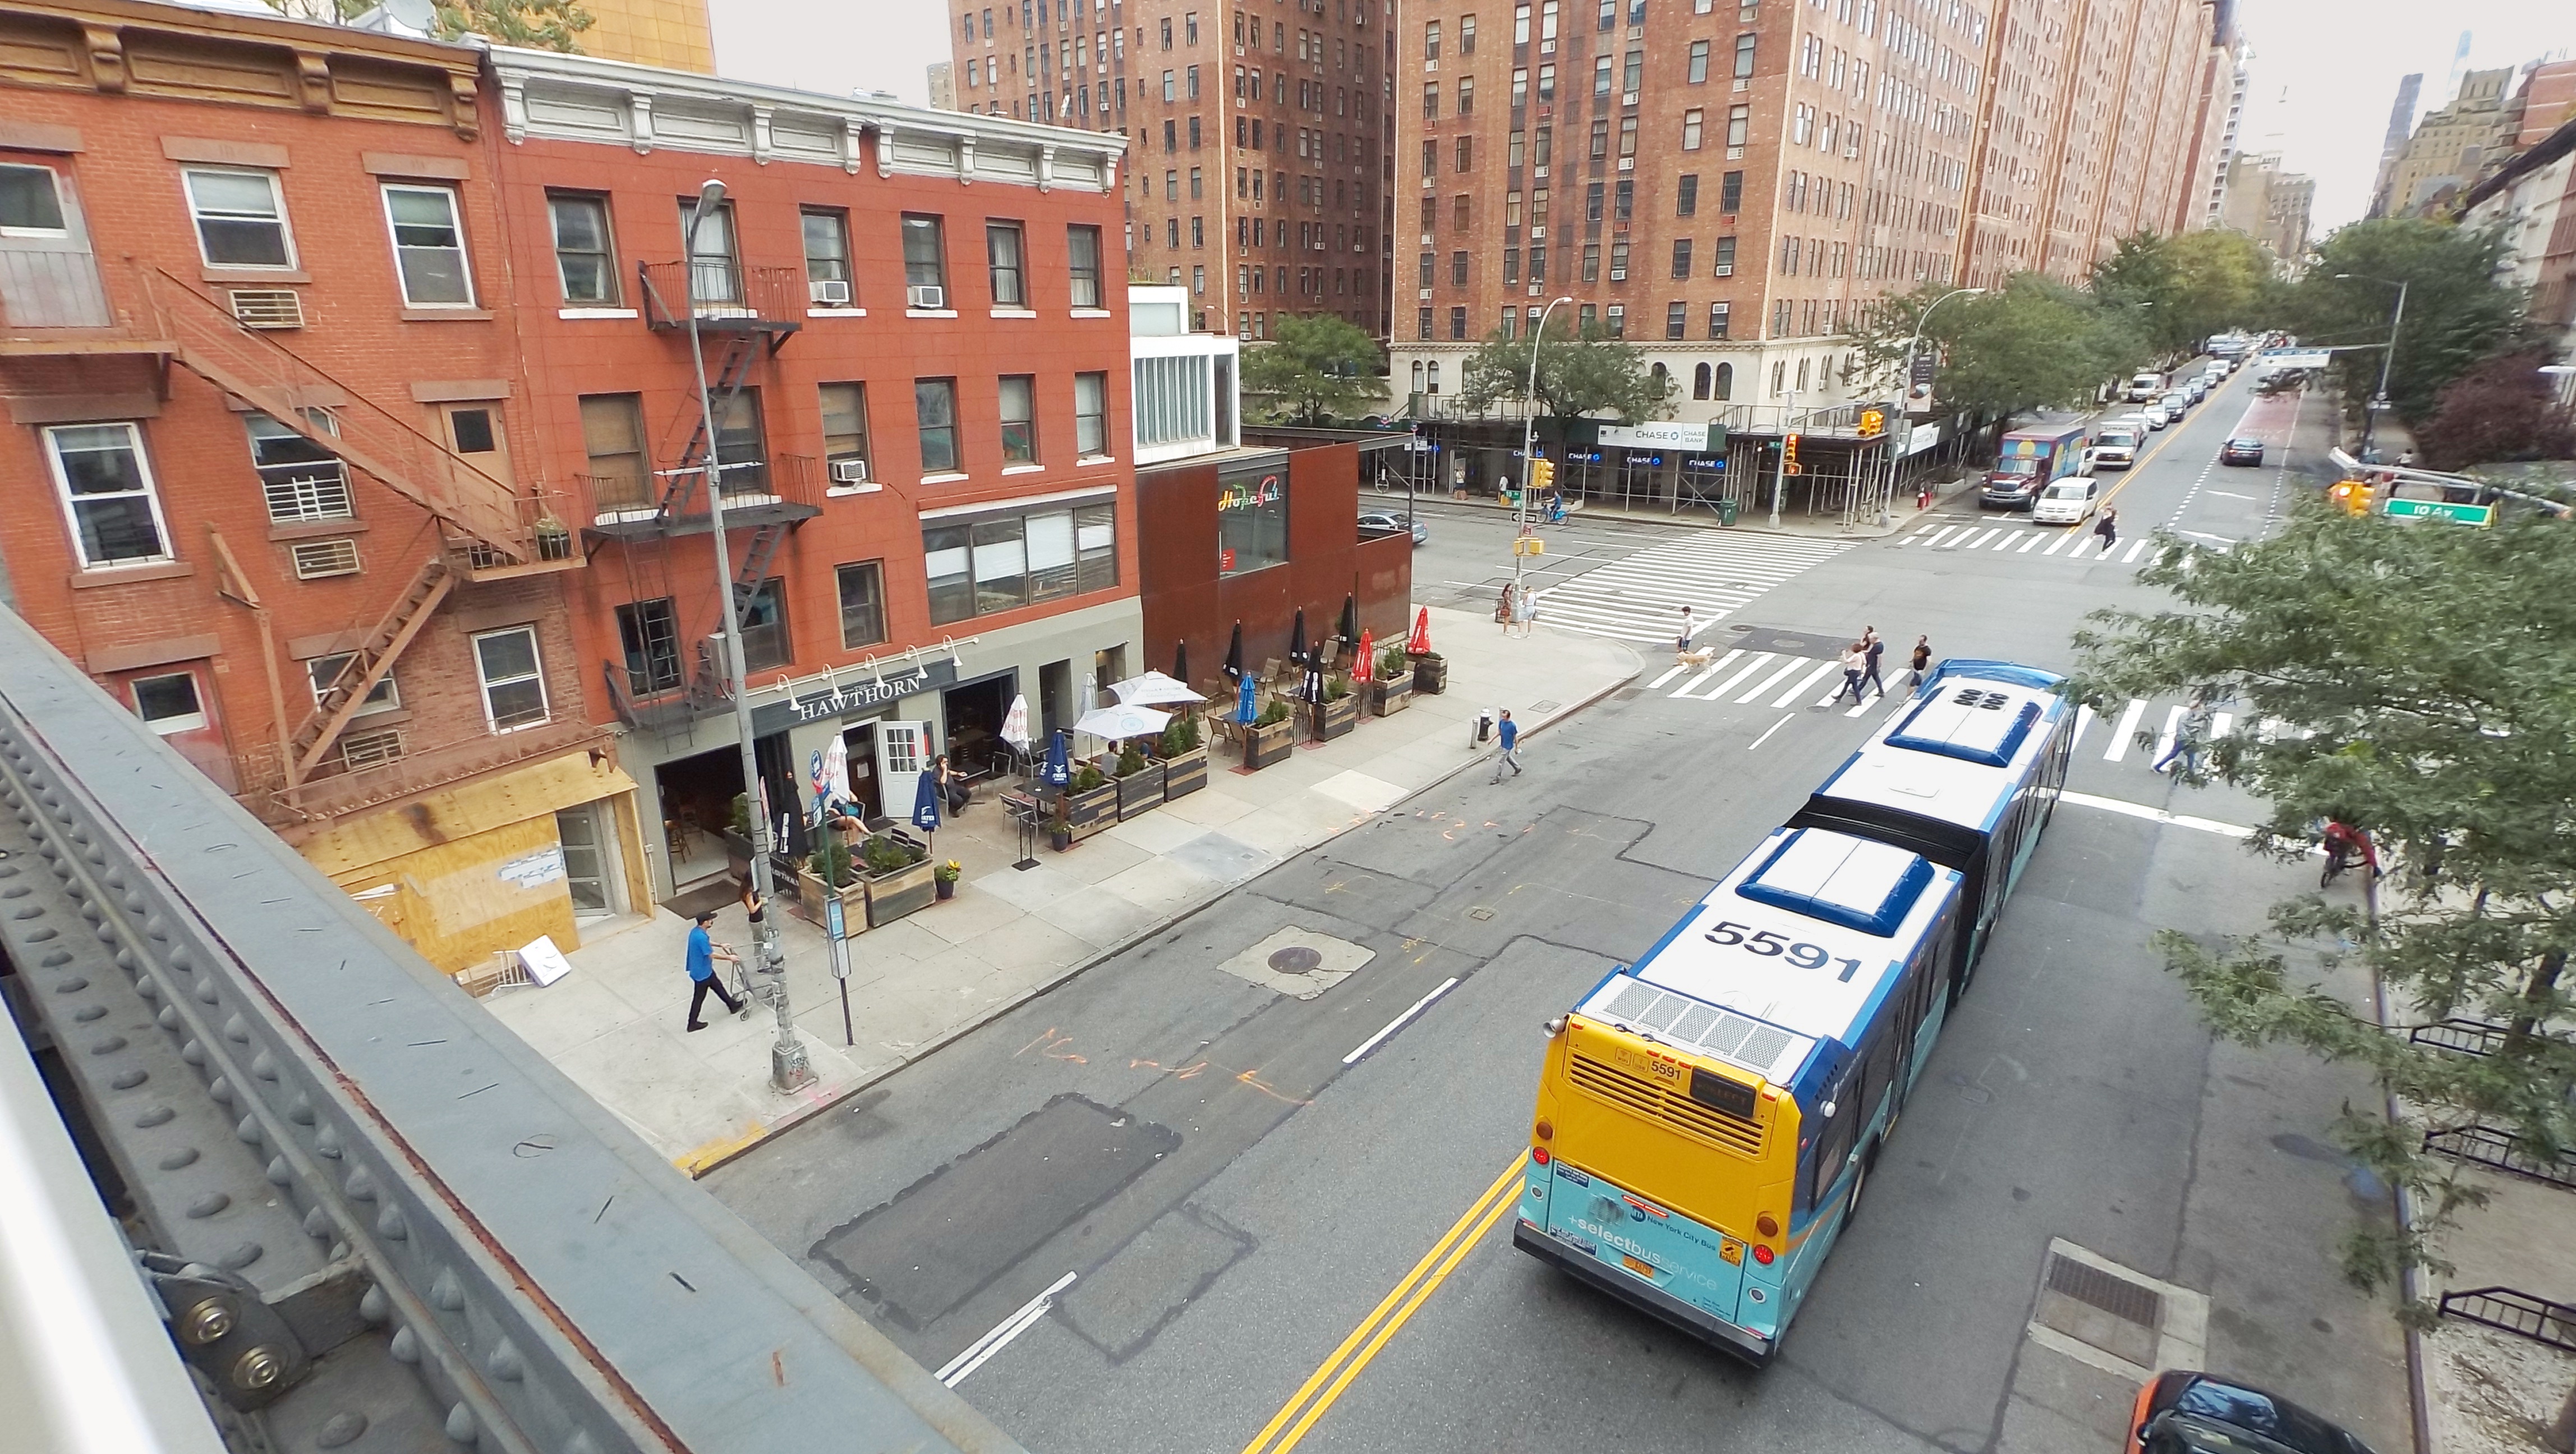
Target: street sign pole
836, 939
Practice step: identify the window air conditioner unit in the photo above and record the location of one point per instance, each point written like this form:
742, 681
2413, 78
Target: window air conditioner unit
1725, 270
925, 295
268, 308
849, 472
1627, 98
1627, 164
830, 292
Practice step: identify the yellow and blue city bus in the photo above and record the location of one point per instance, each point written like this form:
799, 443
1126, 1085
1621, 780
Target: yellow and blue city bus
1707, 1115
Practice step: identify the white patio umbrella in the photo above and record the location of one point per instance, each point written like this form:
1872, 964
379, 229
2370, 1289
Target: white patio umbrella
1154, 689
1122, 721
1015, 724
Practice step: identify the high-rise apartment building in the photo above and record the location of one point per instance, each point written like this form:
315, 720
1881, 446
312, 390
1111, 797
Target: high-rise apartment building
1257, 164
2222, 117
1732, 187
2401, 123
943, 85
2450, 145
2269, 204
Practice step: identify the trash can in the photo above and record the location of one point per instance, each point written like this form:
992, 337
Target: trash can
1725, 512
1484, 728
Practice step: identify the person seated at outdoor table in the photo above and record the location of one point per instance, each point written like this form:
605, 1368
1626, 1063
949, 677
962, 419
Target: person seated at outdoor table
844, 819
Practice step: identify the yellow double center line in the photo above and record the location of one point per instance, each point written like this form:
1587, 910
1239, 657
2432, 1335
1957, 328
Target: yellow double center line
1318, 1392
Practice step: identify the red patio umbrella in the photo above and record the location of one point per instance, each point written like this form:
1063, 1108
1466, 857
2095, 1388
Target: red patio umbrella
1420, 643
1365, 667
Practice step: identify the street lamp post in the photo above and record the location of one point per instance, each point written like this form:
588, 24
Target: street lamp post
1529, 448
1912, 347
788, 1067
2379, 397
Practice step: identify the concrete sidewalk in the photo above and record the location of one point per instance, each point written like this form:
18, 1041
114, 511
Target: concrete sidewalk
615, 1023
1756, 522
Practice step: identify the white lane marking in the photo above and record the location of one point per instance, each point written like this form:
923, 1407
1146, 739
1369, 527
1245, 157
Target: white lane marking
2165, 739
1926, 530
2083, 724
2118, 747
2027, 544
1424, 1003
1858, 707
1711, 670
2134, 547
1935, 542
2069, 538
1759, 661
1809, 680
1767, 683
1766, 736
1980, 542
2224, 495
2154, 815
2007, 542
956, 1369
2205, 535
1677, 670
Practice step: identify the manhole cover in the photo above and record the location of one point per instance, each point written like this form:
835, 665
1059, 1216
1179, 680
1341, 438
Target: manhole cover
1480, 914
1296, 959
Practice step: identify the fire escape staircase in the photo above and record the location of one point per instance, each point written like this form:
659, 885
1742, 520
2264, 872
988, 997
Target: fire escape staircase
367, 666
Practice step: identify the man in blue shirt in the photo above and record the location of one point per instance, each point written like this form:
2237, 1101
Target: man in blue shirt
703, 955
1510, 733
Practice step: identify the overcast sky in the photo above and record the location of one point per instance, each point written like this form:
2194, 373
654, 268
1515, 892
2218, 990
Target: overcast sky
2324, 71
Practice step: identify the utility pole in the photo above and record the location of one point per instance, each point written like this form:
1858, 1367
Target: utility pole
789, 1068
1529, 448
2379, 397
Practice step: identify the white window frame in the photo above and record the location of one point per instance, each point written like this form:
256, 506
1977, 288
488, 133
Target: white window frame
456, 223
276, 194
71, 515
196, 721
62, 207
384, 696
485, 684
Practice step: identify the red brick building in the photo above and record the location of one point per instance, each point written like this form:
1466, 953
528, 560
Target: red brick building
272, 481
915, 332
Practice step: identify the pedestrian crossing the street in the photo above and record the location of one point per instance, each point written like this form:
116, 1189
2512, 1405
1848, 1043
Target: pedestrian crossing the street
1640, 597
1777, 679
2073, 544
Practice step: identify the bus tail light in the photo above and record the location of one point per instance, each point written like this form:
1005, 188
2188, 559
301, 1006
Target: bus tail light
1539, 1155
1546, 1130
1762, 1254
1767, 1224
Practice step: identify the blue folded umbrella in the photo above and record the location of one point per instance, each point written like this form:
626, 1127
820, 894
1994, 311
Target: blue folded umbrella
925, 803
1243, 708
1059, 760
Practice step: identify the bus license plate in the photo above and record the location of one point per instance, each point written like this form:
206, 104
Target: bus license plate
1638, 1266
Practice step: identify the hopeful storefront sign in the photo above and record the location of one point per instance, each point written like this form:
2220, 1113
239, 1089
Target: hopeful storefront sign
853, 698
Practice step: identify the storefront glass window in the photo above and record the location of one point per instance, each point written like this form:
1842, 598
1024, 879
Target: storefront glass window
1251, 521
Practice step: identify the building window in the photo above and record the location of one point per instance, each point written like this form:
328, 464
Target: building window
765, 643
845, 434
1676, 319
1466, 38
1744, 56
1724, 262
322, 671
585, 259
1633, 73
827, 258
934, 404
31, 204
1082, 253
1003, 562
1466, 153
514, 686
1422, 320
1686, 195
715, 274
1091, 415
1019, 419
1699, 378
1458, 323
429, 247
1458, 268
1251, 521
612, 432
925, 262
1591, 262
1003, 260
1431, 41
1627, 136
1739, 119
1718, 316
1466, 95
1601, 77
1619, 261
301, 480
1681, 260
1725, 380
863, 621
1691, 121
107, 494
1730, 193
649, 632
241, 219
1618, 320
1173, 396
1698, 62
168, 702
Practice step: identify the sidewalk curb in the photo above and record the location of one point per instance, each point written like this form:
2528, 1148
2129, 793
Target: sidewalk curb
709, 1158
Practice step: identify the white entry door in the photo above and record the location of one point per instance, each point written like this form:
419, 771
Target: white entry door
902, 757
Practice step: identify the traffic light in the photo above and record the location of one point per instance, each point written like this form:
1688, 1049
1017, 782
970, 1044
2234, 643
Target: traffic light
2352, 495
1542, 476
1789, 455
1873, 422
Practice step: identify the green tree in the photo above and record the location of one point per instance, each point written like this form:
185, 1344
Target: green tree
2501, 411
2185, 288
535, 24
2034, 343
1315, 366
1580, 371
2457, 314
2431, 667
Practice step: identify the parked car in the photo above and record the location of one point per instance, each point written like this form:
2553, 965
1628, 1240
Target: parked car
2242, 451
2156, 415
2068, 502
2176, 402
2197, 1413
2198, 389
2145, 386
1383, 523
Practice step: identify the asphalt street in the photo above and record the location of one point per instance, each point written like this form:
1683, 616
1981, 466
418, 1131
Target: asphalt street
1164, 1202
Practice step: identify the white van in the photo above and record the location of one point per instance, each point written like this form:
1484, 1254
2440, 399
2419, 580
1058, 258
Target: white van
2068, 502
2115, 446
2145, 387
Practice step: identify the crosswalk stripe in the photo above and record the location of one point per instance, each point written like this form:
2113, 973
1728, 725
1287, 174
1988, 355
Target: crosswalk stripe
1677, 670
2134, 547
2165, 739
1767, 683
1804, 683
1980, 542
2083, 724
2118, 747
1760, 661
1859, 707
2007, 542
1705, 673
2027, 544
1946, 532
2062, 542
2219, 722
1640, 597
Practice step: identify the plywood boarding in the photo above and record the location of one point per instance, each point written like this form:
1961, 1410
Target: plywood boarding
538, 790
458, 902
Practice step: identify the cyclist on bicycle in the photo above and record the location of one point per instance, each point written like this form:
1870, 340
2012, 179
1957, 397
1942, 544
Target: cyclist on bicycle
2346, 845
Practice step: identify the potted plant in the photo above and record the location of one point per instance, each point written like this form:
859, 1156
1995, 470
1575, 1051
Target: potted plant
945, 877
1337, 714
829, 874
737, 837
1090, 802
897, 873
1059, 824
1140, 781
1184, 760
1392, 691
1430, 672
1270, 737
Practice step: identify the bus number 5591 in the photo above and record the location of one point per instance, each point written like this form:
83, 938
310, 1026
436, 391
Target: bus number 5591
1803, 955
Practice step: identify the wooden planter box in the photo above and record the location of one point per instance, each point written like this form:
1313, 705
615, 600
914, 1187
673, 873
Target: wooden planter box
1430, 675
1185, 774
1263, 746
1388, 697
812, 893
1092, 811
737, 854
904, 891
1141, 791
1328, 720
